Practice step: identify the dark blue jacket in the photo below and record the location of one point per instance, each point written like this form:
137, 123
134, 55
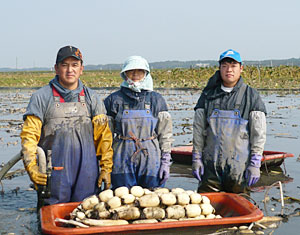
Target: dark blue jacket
136, 100
213, 92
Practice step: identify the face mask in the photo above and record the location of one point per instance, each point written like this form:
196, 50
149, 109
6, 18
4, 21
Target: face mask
136, 84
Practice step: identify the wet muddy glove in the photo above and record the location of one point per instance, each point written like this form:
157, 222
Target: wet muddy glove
164, 171
35, 175
252, 174
197, 166
30, 136
104, 178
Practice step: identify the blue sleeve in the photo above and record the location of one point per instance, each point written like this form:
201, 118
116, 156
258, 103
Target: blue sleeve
158, 104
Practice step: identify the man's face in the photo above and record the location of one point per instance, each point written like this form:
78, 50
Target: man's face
69, 71
230, 73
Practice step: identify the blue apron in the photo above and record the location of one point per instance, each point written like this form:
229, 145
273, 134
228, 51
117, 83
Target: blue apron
68, 134
227, 149
136, 148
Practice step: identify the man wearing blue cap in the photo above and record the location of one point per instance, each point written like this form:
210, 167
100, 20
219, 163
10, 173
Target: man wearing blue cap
229, 130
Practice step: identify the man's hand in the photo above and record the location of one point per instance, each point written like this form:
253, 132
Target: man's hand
104, 177
35, 175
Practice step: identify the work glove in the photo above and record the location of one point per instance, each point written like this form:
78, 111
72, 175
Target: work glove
164, 171
252, 173
35, 175
105, 178
197, 166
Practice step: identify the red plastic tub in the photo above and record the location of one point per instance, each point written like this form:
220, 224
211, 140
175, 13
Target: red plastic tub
233, 208
183, 154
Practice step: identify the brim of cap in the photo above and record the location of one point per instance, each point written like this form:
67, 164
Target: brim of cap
76, 57
230, 58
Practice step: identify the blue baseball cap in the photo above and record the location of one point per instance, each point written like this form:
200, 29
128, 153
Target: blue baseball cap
231, 54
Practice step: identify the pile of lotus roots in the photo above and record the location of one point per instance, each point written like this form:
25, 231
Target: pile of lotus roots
140, 205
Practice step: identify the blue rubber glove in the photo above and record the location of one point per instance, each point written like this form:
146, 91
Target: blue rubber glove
197, 166
253, 170
164, 171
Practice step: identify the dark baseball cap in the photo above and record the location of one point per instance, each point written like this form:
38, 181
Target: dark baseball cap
68, 51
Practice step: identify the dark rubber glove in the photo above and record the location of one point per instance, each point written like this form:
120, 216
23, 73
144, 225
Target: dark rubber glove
197, 166
253, 170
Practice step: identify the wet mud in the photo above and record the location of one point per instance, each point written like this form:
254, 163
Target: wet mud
18, 199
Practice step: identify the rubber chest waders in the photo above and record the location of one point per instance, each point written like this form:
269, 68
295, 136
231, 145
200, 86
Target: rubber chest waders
68, 133
136, 148
227, 148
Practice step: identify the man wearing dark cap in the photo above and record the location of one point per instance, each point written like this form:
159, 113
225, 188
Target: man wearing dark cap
229, 130
68, 121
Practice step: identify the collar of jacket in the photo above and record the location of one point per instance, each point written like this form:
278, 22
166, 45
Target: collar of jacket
134, 95
213, 88
68, 95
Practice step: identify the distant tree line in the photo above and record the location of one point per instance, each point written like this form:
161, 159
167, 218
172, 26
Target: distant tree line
175, 64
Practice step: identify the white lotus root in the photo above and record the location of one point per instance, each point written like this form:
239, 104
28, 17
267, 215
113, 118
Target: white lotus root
90, 202
104, 215
207, 209
130, 213
149, 200
169, 220
137, 191
161, 190
114, 202
80, 215
196, 198
100, 207
210, 216
193, 210
145, 221
154, 213
177, 190
183, 199
147, 191
205, 200
106, 195
104, 222
175, 212
195, 218
168, 199
189, 192
119, 192
127, 198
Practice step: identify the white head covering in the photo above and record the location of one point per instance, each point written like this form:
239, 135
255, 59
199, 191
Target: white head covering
137, 62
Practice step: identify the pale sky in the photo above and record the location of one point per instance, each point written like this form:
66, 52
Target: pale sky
109, 31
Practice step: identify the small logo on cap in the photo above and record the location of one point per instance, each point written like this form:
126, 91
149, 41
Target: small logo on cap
78, 54
229, 53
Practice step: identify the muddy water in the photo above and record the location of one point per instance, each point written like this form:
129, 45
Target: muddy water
18, 200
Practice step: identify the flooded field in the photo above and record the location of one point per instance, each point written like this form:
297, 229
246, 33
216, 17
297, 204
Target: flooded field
18, 200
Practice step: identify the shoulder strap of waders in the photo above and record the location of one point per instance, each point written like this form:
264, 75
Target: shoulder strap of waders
147, 104
60, 99
240, 95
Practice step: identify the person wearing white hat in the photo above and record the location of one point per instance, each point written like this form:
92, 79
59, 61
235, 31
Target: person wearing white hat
142, 128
